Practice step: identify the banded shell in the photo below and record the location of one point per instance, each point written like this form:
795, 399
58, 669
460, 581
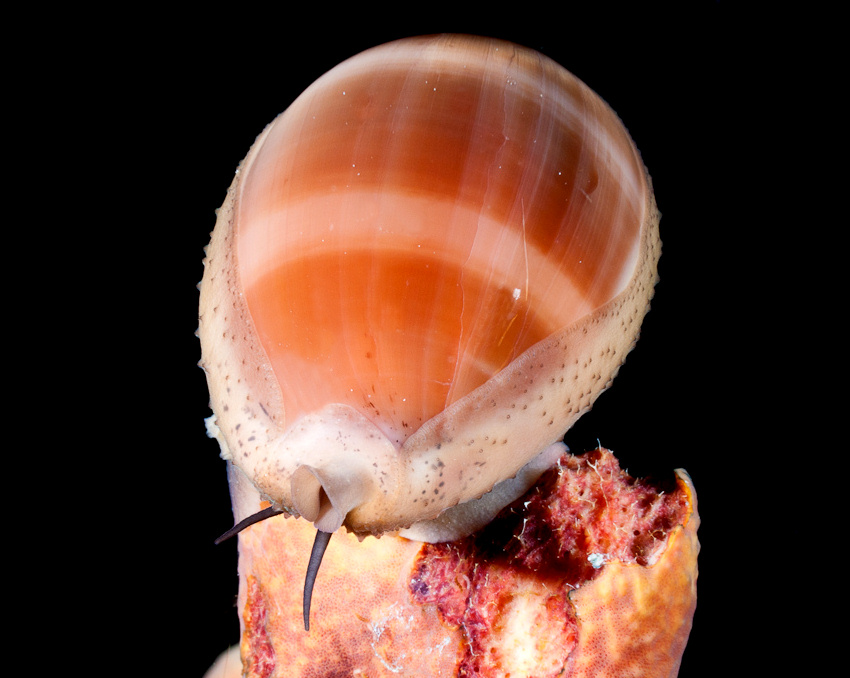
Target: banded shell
425, 270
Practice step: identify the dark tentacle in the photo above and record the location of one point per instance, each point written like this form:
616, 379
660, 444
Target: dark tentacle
250, 520
319, 546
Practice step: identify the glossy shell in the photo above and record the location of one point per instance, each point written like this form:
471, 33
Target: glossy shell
426, 269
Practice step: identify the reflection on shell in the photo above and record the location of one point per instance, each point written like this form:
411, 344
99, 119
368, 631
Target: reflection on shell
425, 270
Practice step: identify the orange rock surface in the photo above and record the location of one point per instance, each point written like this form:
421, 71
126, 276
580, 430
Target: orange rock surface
590, 574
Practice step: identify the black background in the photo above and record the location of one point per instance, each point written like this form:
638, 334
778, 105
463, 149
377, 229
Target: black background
174, 104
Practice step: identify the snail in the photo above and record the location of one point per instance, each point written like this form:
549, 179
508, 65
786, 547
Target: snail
426, 269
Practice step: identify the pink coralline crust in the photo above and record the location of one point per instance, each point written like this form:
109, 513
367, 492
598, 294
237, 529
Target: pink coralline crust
581, 514
472, 594
565, 584
256, 646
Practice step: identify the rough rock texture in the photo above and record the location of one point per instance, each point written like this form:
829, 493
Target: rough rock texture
591, 573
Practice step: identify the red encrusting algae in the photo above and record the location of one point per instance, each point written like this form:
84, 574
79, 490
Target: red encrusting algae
584, 512
591, 574
256, 646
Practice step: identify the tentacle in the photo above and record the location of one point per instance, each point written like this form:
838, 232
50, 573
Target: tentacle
319, 546
250, 520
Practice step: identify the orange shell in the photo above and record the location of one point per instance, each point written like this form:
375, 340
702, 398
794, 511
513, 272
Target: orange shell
436, 258
632, 620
